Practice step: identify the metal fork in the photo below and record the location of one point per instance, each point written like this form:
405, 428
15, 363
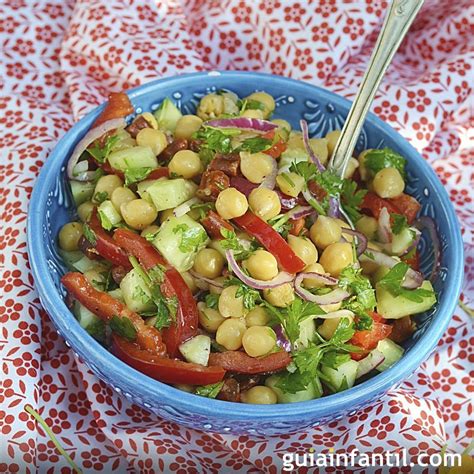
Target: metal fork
396, 25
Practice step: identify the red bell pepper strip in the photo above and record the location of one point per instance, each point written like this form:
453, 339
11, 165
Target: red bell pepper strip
164, 369
407, 205
368, 339
118, 106
213, 223
158, 173
105, 246
106, 307
187, 319
272, 241
277, 148
236, 361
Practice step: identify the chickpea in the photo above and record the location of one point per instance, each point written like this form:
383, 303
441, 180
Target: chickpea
296, 140
150, 230
209, 263
155, 139
229, 334
388, 183
211, 106
364, 174
253, 113
332, 138
280, 296
185, 163
231, 203
190, 283
303, 248
325, 231
69, 236
166, 214
320, 148
256, 166
187, 125
259, 395
210, 319
290, 183
266, 100
368, 226
282, 124
312, 282
262, 265
106, 184
257, 317
229, 304
215, 289
352, 165
138, 213
265, 203
121, 196
258, 340
336, 257
84, 210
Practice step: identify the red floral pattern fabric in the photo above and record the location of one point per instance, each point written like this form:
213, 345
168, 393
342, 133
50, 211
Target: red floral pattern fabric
61, 58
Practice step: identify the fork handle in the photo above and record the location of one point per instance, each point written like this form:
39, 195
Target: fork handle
396, 24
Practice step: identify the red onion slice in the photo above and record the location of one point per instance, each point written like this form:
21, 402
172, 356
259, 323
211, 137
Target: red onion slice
90, 137
362, 240
369, 363
384, 229
279, 280
412, 278
282, 340
300, 211
243, 185
185, 207
307, 145
426, 222
243, 123
334, 206
270, 180
335, 296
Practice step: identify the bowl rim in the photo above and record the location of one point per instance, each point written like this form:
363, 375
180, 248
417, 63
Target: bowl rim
121, 374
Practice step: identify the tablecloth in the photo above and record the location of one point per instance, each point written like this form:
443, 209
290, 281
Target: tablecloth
60, 58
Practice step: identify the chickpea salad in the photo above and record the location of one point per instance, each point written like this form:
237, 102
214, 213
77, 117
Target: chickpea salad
218, 253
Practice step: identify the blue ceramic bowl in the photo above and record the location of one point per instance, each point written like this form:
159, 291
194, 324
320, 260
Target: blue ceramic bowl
51, 206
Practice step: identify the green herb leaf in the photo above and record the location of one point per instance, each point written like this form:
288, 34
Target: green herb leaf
209, 391
215, 140
123, 327
97, 330
100, 153
364, 322
351, 199
231, 242
344, 331
249, 104
134, 175
334, 359
392, 282
376, 160
104, 220
330, 182
399, 223
101, 196
89, 234
212, 300
163, 319
306, 169
191, 237
250, 296
293, 382
203, 208
255, 144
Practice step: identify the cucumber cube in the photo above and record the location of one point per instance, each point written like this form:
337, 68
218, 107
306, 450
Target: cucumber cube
135, 157
345, 372
179, 240
167, 115
391, 351
108, 215
135, 292
170, 193
81, 191
396, 307
285, 397
197, 349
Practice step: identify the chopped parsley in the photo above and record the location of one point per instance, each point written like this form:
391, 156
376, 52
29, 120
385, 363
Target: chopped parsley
255, 144
101, 196
123, 327
249, 104
100, 153
392, 282
134, 175
250, 296
191, 237
376, 160
231, 242
351, 199
89, 234
215, 140
212, 300
97, 330
399, 223
209, 391
104, 220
